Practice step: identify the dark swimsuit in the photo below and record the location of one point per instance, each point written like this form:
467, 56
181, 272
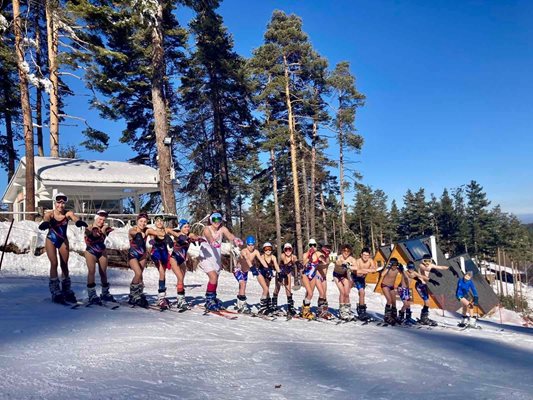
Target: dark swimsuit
137, 247
95, 242
57, 233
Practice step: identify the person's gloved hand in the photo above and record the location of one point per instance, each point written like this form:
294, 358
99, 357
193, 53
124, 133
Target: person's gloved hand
79, 223
44, 225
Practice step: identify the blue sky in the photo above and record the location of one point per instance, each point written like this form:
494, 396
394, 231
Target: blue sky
448, 87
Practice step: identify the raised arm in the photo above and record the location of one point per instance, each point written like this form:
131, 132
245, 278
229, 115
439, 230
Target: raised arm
257, 255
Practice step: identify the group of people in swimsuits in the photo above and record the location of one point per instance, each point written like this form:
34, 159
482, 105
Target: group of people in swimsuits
169, 248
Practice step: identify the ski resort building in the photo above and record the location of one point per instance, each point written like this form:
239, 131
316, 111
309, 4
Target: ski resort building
89, 185
380, 258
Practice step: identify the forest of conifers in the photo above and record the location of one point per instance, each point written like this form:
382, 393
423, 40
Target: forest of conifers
248, 134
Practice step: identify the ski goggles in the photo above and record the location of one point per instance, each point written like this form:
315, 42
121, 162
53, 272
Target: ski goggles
267, 249
102, 213
287, 249
312, 245
216, 218
61, 199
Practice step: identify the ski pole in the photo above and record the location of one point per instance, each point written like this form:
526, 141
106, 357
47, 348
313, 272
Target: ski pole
5, 243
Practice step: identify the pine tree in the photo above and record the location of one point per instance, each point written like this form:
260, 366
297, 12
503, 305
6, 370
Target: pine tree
10, 107
415, 217
347, 99
394, 223
214, 90
477, 216
22, 66
461, 233
276, 67
447, 222
137, 48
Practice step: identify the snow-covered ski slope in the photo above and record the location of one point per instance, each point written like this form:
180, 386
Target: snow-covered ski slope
49, 351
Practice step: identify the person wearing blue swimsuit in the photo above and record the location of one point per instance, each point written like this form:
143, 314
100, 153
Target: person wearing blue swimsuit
56, 222
137, 259
95, 252
178, 259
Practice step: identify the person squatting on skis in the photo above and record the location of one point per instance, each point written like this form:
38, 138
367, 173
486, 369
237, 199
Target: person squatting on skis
426, 266
363, 265
464, 286
311, 260
287, 264
211, 257
95, 252
161, 244
404, 292
56, 221
137, 259
264, 277
249, 256
343, 267
389, 290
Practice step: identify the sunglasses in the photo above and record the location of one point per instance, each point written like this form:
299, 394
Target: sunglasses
216, 219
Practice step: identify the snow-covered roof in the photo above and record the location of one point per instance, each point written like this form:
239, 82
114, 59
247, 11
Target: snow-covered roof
76, 175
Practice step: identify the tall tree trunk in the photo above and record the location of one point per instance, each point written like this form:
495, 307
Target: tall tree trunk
306, 196
160, 116
312, 210
324, 218
276, 202
372, 237
222, 154
26, 113
294, 166
53, 40
341, 178
39, 89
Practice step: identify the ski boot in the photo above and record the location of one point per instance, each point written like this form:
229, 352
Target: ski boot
409, 318
211, 303
307, 313
361, 313
394, 314
323, 309
106, 296
291, 311
424, 318
401, 318
388, 318
68, 294
181, 303
137, 297
55, 291
264, 306
162, 301
465, 321
94, 299
242, 307
344, 312
274, 309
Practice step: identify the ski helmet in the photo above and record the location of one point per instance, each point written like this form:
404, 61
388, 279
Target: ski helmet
250, 241
267, 244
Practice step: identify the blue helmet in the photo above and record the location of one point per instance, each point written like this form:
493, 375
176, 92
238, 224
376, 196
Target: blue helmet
182, 223
250, 240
